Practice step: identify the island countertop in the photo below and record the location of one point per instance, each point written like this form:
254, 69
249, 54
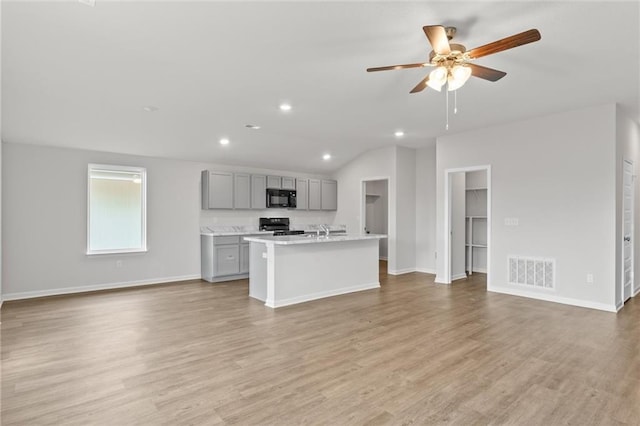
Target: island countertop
311, 238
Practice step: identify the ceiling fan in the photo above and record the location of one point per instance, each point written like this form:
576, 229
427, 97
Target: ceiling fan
452, 61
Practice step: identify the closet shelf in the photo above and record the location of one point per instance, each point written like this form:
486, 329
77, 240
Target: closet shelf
476, 189
476, 245
476, 217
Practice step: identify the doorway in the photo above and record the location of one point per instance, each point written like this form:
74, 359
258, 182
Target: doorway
467, 222
627, 231
375, 212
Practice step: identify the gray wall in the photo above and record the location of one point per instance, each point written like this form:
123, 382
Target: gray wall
45, 228
557, 175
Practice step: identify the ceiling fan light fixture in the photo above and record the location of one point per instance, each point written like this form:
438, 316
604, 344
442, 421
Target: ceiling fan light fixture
458, 77
437, 78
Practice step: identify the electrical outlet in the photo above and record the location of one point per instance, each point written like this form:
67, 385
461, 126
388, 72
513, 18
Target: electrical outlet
118, 263
511, 221
589, 278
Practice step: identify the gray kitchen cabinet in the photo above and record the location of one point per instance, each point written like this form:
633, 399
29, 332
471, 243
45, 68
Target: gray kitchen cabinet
220, 257
274, 182
241, 191
217, 190
302, 194
227, 260
288, 183
329, 195
314, 195
258, 192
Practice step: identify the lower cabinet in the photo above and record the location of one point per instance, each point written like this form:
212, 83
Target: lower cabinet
224, 258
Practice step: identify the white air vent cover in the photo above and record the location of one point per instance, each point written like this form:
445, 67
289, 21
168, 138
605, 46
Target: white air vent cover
532, 271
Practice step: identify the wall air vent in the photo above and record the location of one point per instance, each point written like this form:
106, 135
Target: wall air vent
532, 271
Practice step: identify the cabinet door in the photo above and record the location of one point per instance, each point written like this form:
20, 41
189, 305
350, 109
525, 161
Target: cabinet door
302, 194
217, 190
258, 192
241, 191
227, 260
329, 195
314, 194
274, 182
244, 258
288, 183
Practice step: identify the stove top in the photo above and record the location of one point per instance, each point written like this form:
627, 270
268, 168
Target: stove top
287, 232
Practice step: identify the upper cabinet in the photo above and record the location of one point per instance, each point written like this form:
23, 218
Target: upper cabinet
274, 182
241, 191
227, 190
288, 183
258, 192
314, 194
329, 195
302, 194
217, 190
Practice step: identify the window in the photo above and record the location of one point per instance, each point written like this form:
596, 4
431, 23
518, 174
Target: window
116, 209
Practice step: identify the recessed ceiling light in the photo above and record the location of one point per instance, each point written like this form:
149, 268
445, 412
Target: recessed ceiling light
326, 157
224, 141
252, 126
399, 134
285, 107
150, 108
88, 2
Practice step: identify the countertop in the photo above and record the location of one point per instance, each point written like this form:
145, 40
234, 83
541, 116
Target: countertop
223, 231
312, 238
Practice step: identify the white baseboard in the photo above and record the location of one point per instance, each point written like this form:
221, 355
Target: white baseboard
458, 277
383, 258
1, 300
635, 293
554, 298
426, 271
320, 295
401, 271
95, 287
480, 270
440, 280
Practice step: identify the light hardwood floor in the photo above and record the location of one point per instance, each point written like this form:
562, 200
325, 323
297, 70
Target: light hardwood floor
412, 352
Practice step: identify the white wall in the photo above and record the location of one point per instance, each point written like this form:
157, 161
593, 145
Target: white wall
627, 148
372, 165
405, 210
426, 209
45, 213
1, 243
556, 174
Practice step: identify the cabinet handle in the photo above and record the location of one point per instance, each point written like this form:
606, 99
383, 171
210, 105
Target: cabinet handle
230, 257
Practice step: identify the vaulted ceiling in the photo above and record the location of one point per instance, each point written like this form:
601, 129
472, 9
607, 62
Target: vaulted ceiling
79, 76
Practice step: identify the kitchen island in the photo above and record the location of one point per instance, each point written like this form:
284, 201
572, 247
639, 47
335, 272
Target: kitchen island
286, 270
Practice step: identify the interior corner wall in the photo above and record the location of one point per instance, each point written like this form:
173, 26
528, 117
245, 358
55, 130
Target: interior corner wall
405, 211
556, 175
372, 165
426, 209
627, 148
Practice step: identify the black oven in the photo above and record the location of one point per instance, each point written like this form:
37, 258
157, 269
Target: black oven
281, 198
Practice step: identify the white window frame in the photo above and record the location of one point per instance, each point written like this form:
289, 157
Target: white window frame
143, 185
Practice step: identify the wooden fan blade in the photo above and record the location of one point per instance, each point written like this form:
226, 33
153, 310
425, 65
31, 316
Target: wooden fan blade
397, 67
438, 38
421, 86
486, 73
506, 43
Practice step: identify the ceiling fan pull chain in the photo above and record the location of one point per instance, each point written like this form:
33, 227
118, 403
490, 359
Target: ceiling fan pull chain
447, 106
455, 101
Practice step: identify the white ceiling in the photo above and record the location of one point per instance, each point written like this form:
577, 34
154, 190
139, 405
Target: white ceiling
78, 76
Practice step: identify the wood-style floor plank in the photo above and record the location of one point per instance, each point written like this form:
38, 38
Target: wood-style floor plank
411, 352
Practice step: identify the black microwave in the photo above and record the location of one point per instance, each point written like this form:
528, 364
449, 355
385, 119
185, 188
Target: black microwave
281, 198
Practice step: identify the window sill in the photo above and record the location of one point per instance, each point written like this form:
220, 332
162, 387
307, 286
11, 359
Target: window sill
122, 251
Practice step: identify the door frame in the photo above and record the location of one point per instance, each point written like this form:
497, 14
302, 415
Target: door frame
447, 219
633, 190
363, 211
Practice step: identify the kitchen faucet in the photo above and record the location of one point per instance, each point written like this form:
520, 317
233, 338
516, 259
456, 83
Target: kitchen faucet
324, 228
